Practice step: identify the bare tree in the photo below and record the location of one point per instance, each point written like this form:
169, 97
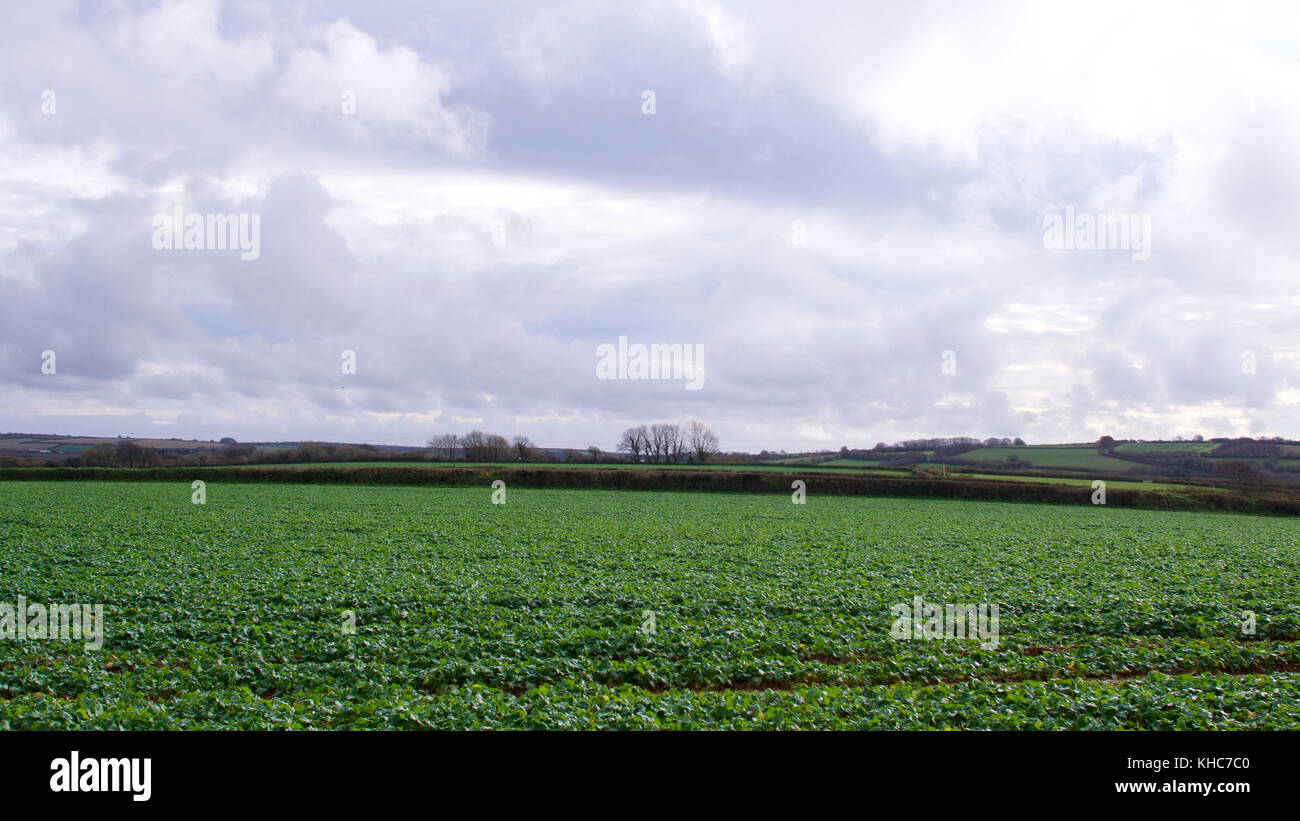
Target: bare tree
523, 447
126, 454
310, 452
475, 446
99, 456
666, 442
498, 447
678, 447
243, 454
485, 447
1247, 475
659, 442
635, 442
701, 440
443, 446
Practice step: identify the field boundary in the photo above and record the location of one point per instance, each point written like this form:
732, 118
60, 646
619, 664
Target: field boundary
685, 480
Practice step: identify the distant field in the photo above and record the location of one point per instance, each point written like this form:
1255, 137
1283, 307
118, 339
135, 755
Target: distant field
1084, 457
1082, 481
799, 460
1167, 448
76, 444
844, 463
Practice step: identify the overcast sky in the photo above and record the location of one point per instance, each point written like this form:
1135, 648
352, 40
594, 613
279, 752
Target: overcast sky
472, 197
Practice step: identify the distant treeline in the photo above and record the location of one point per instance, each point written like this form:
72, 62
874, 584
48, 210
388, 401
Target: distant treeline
128, 454
1251, 449
474, 446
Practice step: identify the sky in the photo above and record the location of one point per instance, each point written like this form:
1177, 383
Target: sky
842, 209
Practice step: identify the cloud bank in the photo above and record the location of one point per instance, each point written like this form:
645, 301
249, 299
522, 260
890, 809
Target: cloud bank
831, 200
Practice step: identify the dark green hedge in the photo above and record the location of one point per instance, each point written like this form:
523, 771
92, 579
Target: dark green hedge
683, 480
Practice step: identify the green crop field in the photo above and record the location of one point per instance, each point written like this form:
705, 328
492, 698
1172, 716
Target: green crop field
1067, 458
1080, 481
610, 609
1167, 448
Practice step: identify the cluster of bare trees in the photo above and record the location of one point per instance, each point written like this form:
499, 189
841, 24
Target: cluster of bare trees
128, 454
669, 443
477, 446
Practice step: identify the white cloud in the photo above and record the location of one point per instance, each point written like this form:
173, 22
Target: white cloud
728, 34
393, 88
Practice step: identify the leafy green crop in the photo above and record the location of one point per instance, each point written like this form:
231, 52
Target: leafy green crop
533, 614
